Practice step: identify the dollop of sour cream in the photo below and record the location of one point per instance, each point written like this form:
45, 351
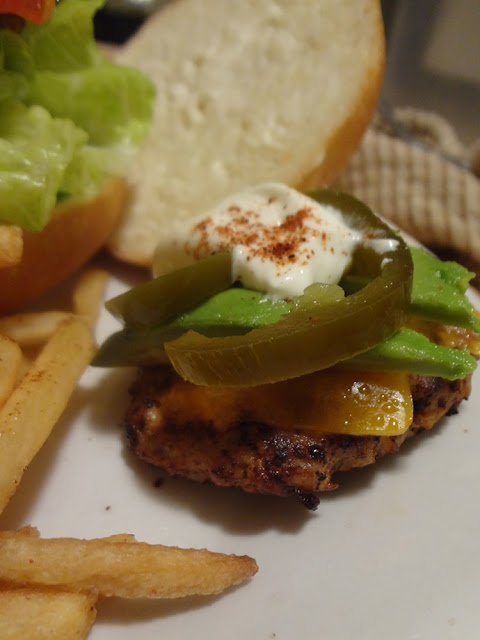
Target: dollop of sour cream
281, 241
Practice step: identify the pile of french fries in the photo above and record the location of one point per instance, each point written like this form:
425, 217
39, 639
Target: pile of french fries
49, 588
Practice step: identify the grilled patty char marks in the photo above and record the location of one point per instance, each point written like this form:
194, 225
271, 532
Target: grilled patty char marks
259, 458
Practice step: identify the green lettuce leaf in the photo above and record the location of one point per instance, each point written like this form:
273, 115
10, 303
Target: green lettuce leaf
35, 150
15, 66
87, 169
69, 118
66, 42
112, 104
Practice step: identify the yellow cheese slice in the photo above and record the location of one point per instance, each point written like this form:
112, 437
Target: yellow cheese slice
335, 401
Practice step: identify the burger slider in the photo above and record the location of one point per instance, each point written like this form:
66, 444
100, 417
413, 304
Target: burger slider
287, 337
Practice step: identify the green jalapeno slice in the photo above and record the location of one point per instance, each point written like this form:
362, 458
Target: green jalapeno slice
312, 336
158, 300
235, 311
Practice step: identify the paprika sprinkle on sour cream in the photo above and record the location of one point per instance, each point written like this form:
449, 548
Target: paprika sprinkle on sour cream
281, 241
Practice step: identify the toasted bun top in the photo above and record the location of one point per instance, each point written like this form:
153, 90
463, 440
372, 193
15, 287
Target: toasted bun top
77, 230
247, 92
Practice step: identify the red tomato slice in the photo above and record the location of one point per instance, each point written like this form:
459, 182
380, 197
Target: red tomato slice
32, 10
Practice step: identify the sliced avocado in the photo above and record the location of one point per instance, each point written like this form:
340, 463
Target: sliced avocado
438, 291
145, 346
237, 311
234, 311
438, 294
412, 352
235, 307
231, 312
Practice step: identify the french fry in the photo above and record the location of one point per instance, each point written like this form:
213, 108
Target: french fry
10, 362
37, 614
29, 414
28, 530
32, 329
124, 569
11, 245
88, 294
28, 358
120, 537
49, 587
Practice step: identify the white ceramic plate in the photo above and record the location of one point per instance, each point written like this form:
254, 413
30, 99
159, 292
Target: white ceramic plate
391, 554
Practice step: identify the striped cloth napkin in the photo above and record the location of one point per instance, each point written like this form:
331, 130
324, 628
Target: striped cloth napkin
412, 168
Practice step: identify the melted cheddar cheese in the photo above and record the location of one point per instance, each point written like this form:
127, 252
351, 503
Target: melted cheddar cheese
330, 401
333, 400
336, 401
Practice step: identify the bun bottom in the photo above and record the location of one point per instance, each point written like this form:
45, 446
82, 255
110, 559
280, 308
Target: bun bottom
76, 232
